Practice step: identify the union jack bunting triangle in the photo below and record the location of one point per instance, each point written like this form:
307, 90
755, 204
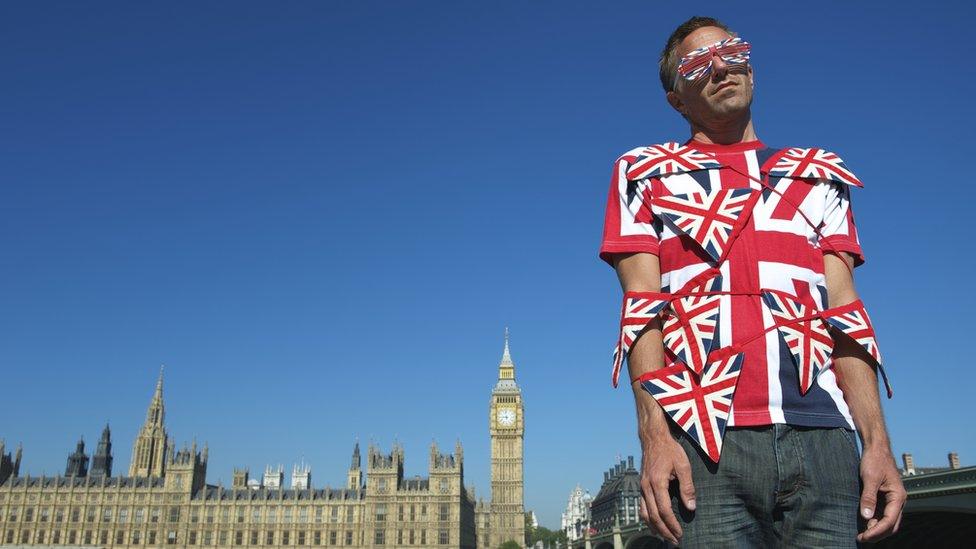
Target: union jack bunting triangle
701, 407
854, 321
807, 338
711, 219
689, 326
813, 164
639, 309
667, 159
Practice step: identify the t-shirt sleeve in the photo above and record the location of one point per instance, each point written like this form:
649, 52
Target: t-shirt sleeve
628, 225
838, 232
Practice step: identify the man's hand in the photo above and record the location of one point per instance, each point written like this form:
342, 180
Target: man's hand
663, 461
663, 458
883, 496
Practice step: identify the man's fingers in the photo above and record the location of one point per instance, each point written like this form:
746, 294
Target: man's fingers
867, 529
869, 496
888, 523
881, 528
685, 485
663, 499
898, 500
893, 506
657, 525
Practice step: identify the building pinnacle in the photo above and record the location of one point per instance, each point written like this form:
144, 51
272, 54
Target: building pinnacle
506, 355
159, 383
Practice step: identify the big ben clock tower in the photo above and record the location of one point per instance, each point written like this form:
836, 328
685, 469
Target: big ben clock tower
507, 427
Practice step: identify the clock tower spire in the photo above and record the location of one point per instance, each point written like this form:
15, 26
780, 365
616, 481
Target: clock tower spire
507, 428
506, 368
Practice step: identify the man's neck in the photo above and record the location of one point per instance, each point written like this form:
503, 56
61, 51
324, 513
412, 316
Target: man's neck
721, 132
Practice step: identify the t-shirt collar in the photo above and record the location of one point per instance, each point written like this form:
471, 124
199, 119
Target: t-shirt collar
731, 148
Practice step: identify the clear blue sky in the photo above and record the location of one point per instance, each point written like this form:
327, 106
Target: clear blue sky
321, 216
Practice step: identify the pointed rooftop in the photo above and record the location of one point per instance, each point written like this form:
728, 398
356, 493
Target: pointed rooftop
159, 383
356, 460
506, 354
506, 369
156, 412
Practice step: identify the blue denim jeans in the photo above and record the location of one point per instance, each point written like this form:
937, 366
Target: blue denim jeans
775, 486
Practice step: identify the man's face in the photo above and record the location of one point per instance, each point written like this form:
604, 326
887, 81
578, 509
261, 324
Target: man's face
724, 94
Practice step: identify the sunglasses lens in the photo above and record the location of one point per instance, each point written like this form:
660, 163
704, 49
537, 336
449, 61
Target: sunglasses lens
698, 63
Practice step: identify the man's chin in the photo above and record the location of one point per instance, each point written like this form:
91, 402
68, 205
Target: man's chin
731, 107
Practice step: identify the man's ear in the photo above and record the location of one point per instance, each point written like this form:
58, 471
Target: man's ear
676, 102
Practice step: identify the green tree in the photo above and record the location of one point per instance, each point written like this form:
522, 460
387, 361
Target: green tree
529, 530
547, 537
510, 544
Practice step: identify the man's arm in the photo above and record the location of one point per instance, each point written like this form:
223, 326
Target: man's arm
858, 380
663, 458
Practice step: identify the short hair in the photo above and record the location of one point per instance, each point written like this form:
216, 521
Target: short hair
668, 64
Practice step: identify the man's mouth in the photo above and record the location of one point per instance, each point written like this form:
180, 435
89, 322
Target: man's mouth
722, 86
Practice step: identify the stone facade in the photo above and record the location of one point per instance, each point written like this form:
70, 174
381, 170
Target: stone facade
618, 501
181, 510
506, 423
576, 517
166, 501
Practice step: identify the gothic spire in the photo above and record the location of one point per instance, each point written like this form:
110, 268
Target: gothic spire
149, 453
356, 461
506, 356
154, 415
506, 368
101, 465
78, 461
159, 383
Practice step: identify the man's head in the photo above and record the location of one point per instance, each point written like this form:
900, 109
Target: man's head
724, 94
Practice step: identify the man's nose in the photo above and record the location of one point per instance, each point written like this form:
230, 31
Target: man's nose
719, 67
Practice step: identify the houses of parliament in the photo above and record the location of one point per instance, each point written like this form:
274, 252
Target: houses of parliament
165, 500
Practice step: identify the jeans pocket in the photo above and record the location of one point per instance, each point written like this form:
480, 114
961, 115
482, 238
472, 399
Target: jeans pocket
851, 439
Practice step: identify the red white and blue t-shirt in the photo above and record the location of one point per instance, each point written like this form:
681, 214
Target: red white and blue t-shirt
778, 247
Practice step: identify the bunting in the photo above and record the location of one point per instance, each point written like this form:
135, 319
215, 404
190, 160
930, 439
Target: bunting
804, 333
711, 219
700, 406
639, 308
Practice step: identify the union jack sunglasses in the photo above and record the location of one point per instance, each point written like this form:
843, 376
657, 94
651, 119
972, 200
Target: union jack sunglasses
698, 63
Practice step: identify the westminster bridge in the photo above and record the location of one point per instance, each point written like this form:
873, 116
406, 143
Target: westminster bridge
940, 512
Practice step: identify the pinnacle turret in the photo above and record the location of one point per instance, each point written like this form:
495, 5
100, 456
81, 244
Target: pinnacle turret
102, 459
78, 461
356, 459
149, 453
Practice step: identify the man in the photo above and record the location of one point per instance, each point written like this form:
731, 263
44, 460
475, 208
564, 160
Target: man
750, 355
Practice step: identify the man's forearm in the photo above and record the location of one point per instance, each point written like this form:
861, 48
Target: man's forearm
859, 382
855, 373
647, 355
642, 273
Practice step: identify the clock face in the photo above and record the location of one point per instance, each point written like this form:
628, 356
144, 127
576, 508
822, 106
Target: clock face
506, 417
